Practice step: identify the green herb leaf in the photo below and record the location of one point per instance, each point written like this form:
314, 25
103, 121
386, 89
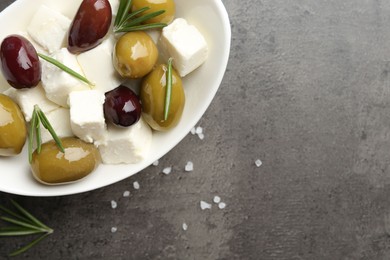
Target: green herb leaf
65, 68
22, 224
168, 92
30, 216
13, 214
28, 246
17, 231
37, 118
127, 21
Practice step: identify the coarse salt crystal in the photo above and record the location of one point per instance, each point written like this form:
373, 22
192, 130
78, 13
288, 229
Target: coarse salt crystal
167, 170
155, 163
114, 204
204, 205
222, 205
258, 163
126, 194
136, 185
185, 226
201, 136
114, 229
199, 130
189, 167
193, 130
217, 199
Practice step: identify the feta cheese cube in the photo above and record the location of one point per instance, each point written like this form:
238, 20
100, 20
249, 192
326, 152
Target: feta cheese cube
126, 145
56, 82
87, 116
185, 44
49, 28
98, 68
60, 121
28, 98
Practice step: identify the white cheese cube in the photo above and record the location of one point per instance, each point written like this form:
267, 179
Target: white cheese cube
185, 44
56, 82
28, 98
87, 116
49, 28
126, 145
98, 68
60, 121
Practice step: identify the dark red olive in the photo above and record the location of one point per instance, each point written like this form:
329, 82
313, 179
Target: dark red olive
90, 25
20, 62
122, 106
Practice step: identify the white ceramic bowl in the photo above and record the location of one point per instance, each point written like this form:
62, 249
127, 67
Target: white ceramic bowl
209, 16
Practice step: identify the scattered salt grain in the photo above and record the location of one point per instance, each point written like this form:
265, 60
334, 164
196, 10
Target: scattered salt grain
258, 163
155, 163
217, 199
201, 136
189, 167
126, 194
114, 229
114, 204
204, 205
222, 205
167, 170
136, 185
185, 226
193, 130
199, 130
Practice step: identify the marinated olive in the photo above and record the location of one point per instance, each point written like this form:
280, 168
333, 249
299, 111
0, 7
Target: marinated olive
152, 96
90, 25
13, 129
167, 5
135, 54
122, 106
53, 167
19, 62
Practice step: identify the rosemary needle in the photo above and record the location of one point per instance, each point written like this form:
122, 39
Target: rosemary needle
168, 93
65, 68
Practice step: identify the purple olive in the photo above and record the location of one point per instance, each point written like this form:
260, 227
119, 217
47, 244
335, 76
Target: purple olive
90, 25
20, 62
122, 106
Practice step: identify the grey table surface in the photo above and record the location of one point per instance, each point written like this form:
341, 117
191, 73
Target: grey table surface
307, 92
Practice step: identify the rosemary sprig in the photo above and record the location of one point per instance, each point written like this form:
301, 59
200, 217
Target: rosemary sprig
65, 68
168, 91
38, 117
24, 223
127, 21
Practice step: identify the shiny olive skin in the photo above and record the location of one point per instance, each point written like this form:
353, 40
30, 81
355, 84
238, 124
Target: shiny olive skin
156, 5
122, 107
135, 54
13, 131
152, 96
53, 167
89, 26
20, 62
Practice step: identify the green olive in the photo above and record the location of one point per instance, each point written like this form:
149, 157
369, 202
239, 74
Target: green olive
152, 96
52, 167
156, 5
13, 131
135, 54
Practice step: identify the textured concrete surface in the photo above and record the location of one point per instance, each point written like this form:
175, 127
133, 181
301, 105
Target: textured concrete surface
307, 92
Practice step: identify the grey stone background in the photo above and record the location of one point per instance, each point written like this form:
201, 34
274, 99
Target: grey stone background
307, 92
